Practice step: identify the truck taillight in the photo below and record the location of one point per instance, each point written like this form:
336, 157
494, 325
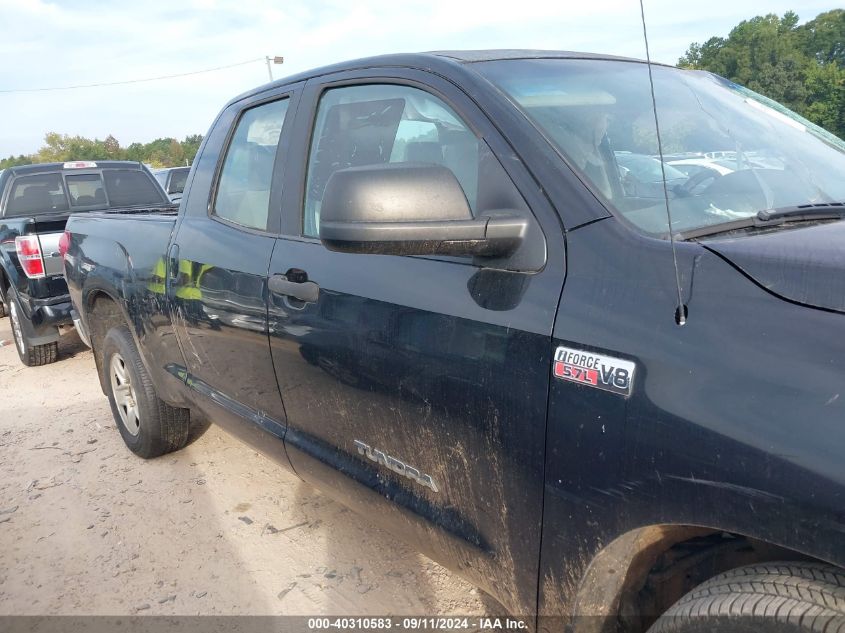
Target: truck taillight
80, 164
29, 254
64, 243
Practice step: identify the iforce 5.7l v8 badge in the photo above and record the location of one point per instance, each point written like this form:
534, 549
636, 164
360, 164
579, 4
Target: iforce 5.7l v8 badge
594, 370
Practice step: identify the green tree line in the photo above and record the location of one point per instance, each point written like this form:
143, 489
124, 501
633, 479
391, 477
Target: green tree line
162, 152
801, 66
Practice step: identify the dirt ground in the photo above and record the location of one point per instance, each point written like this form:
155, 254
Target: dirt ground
87, 528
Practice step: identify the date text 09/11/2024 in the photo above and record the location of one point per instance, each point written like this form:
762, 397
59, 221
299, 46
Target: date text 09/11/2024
430, 623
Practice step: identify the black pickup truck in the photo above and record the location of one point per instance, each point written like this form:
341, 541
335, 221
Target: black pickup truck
35, 202
426, 284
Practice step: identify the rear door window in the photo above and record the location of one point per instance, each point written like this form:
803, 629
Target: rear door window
243, 191
37, 194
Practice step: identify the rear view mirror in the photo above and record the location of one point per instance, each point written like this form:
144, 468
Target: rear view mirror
410, 209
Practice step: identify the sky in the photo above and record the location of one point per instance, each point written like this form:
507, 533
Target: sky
73, 42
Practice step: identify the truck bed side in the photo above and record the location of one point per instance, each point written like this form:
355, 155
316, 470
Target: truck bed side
116, 264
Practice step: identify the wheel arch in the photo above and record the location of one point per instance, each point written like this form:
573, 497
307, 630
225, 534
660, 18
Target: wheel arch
111, 312
640, 574
8, 275
4, 282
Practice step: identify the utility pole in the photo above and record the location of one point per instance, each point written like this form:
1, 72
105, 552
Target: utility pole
275, 60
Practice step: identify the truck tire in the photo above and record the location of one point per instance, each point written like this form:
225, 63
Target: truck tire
794, 597
149, 426
30, 355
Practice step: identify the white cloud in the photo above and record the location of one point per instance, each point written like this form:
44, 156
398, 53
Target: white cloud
58, 44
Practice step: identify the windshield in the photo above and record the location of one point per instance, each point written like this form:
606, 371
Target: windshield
728, 152
645, 168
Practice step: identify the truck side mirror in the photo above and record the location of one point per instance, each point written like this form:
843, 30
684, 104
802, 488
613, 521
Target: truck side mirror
411, 209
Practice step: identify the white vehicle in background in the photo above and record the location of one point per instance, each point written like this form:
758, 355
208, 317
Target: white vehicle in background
694, 166
646, 169
173, 180
702, 170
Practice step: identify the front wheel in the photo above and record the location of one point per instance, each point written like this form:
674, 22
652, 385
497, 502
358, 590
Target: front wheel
31, 355
149, 426
786, 597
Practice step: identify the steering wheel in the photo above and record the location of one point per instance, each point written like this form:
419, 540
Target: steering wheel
688, 188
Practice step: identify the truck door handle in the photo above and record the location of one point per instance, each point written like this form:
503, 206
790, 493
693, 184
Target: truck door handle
306, 291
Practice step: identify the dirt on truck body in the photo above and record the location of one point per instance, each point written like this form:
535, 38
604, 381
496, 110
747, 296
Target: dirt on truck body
447, 290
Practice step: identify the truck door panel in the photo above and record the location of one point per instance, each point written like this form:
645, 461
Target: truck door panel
415, 388
218, 280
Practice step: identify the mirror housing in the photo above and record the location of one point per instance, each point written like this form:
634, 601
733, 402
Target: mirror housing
411, 209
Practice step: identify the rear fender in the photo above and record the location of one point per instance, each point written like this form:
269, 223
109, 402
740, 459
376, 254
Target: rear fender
115, 313
9, 269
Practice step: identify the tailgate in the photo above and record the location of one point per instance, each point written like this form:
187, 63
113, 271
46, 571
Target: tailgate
49, 229
50, 252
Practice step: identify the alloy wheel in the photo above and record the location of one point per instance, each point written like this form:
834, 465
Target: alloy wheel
16, 327
124, 394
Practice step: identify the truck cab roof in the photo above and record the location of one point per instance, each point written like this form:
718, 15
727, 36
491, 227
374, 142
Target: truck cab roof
45, 168
432, 60
73, 186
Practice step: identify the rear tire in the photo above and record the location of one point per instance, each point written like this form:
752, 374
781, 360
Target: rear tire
787, 597
149, 426
30, 355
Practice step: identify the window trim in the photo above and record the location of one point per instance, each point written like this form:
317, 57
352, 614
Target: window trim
278, 173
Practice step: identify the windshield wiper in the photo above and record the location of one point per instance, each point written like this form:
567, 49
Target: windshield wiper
771, 217
801, 211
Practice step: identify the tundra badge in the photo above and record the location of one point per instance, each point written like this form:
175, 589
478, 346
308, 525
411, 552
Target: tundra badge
395, 465
594, 370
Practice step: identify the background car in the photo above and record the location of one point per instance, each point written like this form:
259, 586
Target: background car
173, 180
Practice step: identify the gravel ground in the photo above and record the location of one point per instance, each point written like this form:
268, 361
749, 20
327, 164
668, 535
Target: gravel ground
87, 528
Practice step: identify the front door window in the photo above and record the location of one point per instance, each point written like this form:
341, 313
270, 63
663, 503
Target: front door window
378, 124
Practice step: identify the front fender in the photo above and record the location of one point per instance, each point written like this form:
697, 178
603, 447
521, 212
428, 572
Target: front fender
733, 422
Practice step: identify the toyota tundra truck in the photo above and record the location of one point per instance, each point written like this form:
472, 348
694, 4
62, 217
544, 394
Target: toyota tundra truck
35, 202
427, 284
